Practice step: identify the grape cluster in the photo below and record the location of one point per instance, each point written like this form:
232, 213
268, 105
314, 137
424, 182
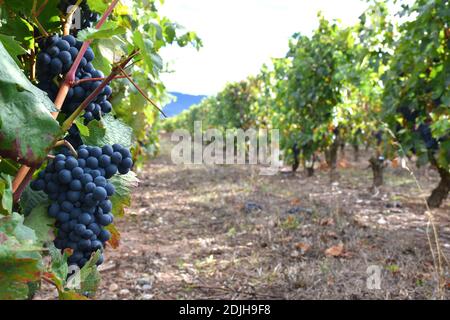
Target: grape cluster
56, 57
408, 114
79, 191
88, 17
378, 135
426, 135
78, 93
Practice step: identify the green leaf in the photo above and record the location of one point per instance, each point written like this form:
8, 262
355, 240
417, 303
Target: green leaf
146, 49
71, 295
20, 6
27, 129
108, 131
31, 199
124, 185
9, 167
97, 5
108, 30
20, 259
89, 276
157, 62
6, 194
41, 223
59, 266
50, 17
13, 47
84, 130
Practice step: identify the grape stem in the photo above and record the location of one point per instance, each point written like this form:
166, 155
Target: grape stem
25, 173
75, 83
141, 91
66, 144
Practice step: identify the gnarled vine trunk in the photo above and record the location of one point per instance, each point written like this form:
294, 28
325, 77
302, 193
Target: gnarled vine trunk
439, 194
377, 166
356, 152
342, 146
295, 165
296, 153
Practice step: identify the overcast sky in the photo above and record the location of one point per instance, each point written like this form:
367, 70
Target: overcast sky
240, 35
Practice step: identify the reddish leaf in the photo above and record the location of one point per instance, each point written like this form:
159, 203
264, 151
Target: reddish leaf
115, 236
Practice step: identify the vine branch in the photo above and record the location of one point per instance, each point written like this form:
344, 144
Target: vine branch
141, 91
75, 83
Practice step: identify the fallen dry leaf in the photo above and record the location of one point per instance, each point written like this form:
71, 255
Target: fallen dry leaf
303, 247
344, 164
331, 234
395, 163
295, 202
327, 222
323, 166
335, 251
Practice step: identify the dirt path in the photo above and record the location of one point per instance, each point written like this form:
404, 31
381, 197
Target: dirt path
227, 232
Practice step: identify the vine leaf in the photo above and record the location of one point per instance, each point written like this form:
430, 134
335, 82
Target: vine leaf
108, 131
41, 223
27, 129
71, 295
97, 6
31, 199
59, 267
6, 194
9, 167
20, 258
13, 47
108, 30
89, 276
122, 197
84, 130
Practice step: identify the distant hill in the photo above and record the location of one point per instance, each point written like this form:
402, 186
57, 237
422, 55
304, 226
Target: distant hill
182, 102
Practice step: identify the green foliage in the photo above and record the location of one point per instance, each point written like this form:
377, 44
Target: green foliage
350, 83
121, 199
27, 129
234, 107
41, 223
6, 195
418, 83
107, 131
20, 257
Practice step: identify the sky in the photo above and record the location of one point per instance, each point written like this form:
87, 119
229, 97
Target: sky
239, 36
